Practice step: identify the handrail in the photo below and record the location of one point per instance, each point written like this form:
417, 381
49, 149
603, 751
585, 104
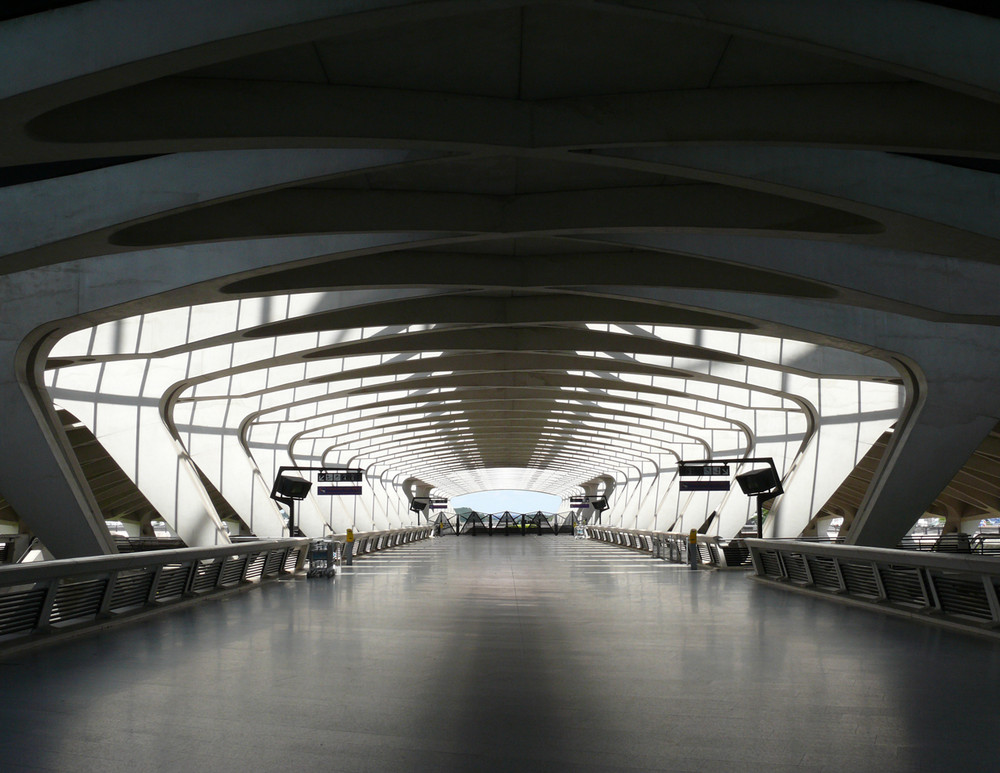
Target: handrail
140, 544
536, 522
674, 546
983, 543
87, 565
924, 559
50, 597
368, 542
957, 589
986, 544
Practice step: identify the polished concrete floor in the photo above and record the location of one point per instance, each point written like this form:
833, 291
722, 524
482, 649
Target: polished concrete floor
508, 654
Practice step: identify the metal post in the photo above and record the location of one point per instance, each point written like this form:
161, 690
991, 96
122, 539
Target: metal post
760, 517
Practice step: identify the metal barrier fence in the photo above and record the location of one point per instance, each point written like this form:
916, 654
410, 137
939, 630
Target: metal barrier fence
673, 546
959, 590
48, 597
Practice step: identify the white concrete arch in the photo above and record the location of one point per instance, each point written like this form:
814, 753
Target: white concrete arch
250, 234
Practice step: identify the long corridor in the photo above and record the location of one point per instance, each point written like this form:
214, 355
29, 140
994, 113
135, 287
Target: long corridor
507, 654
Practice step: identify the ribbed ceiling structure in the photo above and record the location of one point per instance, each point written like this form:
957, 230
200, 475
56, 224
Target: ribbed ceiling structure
489, 244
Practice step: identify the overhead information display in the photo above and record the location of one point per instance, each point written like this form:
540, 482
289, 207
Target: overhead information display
704, 485
340, 476
698, 470
338, 490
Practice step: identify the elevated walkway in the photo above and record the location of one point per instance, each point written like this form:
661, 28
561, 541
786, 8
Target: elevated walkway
547, 654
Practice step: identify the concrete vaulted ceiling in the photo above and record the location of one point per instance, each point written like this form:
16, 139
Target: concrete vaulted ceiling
557, 245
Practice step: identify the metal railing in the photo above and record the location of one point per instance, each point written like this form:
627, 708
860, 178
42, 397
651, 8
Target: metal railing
960, 590
49, 597
139, 544
983, 544
507, 523
366, 543
674, 546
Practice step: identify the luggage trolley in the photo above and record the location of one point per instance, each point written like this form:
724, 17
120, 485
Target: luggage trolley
322, 558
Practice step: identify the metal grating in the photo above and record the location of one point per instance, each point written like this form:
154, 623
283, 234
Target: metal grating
961, 592
256, 568
771, 565
860, 580
131, 589
273, 563
737, 554
75, 600
173, 581
291, 559
902, 585
206, 575
232, 569
19, 611
714, 551
824, 572
962, 596
795, 565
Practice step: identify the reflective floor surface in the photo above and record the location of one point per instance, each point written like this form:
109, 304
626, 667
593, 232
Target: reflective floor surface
508, 654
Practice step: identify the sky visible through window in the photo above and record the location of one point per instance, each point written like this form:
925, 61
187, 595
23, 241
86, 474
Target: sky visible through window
514, 501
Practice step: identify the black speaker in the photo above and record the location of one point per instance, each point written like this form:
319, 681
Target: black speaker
600, 504
418, 505
291, 487
758, 481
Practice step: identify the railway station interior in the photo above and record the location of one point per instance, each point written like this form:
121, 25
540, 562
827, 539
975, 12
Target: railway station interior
281, 282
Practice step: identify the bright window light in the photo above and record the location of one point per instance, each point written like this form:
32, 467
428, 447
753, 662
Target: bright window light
507, 499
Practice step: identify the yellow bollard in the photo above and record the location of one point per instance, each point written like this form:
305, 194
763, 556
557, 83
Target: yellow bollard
349, 548
693, 548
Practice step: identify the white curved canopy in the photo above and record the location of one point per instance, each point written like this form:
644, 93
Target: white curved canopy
464, 245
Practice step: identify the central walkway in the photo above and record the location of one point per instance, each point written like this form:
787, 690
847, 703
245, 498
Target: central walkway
508, 654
